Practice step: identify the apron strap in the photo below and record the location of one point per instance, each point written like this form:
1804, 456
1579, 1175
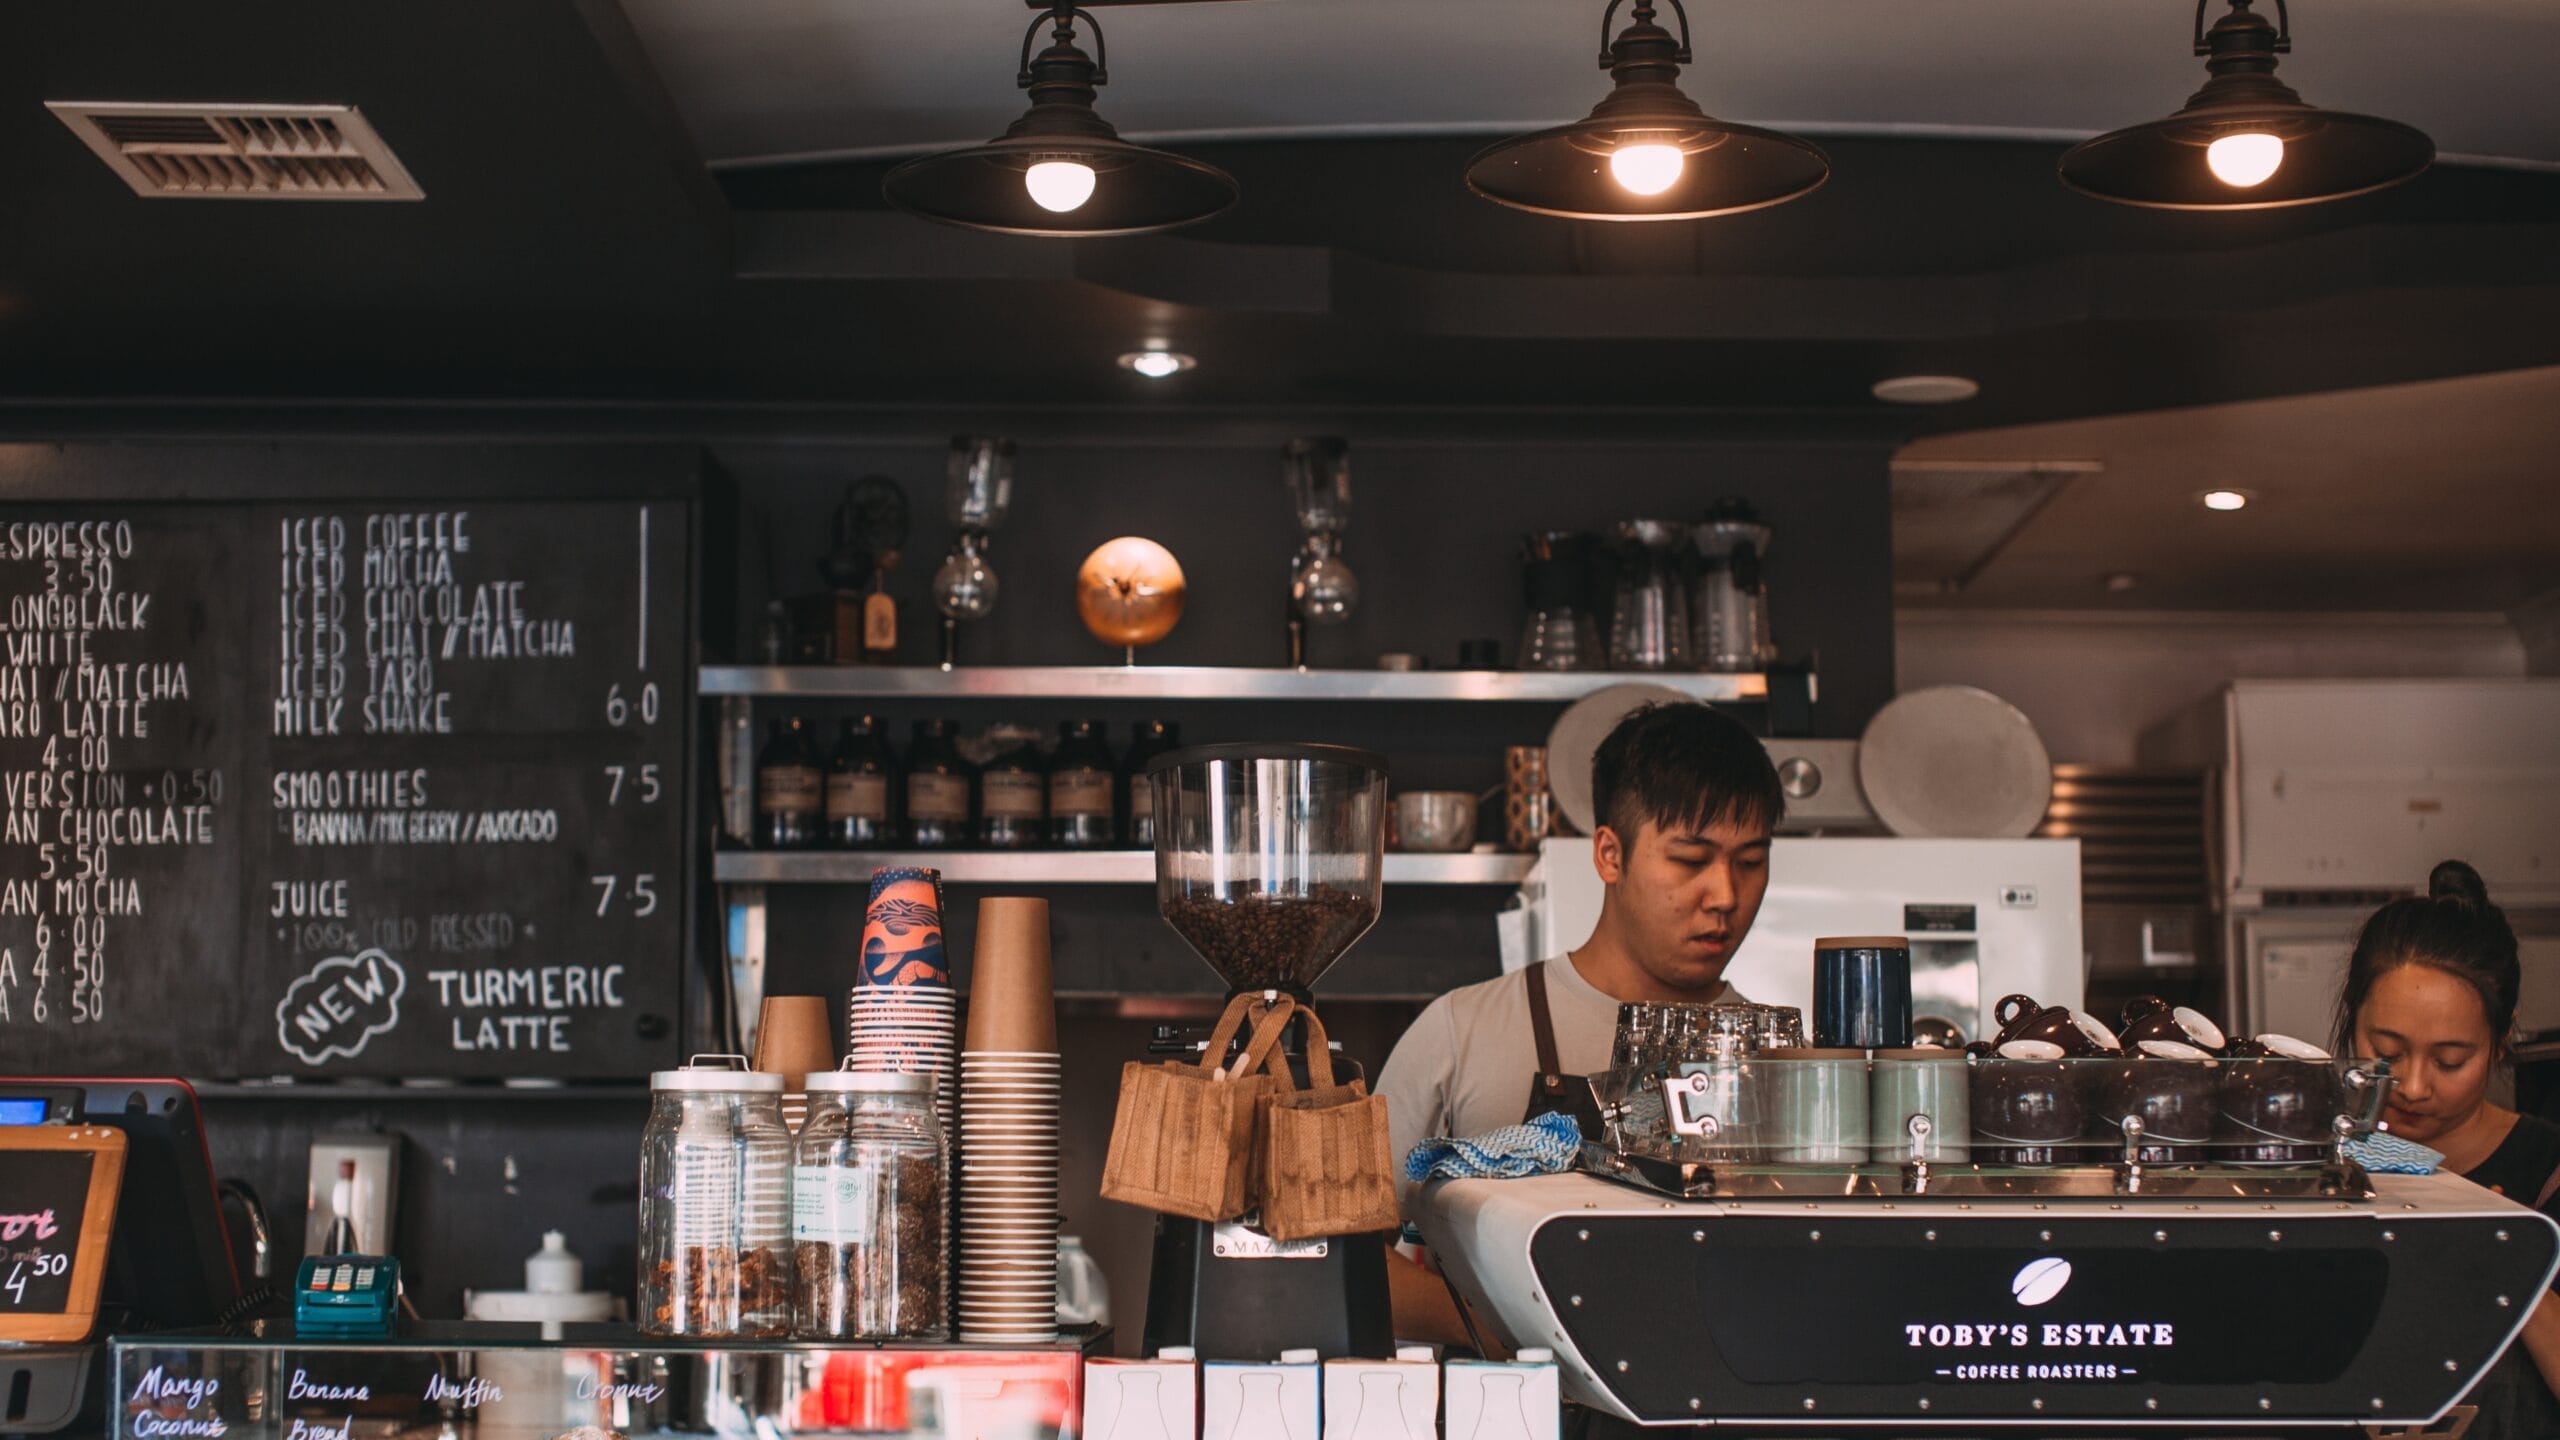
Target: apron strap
1542, 1027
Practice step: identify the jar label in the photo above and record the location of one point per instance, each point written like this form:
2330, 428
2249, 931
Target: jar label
787, 790
832, 1204
937, 797
857, 796
1080, 792
1012, 795
703, 1199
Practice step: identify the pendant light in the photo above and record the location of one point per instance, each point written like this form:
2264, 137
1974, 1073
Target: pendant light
2246, 141
1647, 152
1061, 170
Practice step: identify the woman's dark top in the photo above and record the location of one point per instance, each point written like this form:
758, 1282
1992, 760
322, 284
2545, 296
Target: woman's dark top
2514, 1403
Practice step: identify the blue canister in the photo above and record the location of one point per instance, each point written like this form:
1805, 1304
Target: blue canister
1862, 992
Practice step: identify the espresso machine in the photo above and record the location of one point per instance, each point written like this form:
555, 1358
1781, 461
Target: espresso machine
1268, 860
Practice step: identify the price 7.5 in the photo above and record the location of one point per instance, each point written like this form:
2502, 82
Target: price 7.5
640, 897
643, 780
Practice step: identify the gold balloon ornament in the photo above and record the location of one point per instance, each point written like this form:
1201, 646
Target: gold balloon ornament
1129, 592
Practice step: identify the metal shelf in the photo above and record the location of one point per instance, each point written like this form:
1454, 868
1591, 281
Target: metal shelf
1061, 867
1198, 682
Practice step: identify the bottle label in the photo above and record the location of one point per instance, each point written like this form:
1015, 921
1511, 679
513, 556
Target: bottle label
937, 797
1080, 792
1012, 795
879, 623
831, 1204
787, 790
857, 796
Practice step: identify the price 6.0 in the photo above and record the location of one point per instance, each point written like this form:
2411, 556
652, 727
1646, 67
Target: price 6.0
640, 897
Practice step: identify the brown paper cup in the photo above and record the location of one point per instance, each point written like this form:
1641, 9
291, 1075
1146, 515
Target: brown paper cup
1012, 1005
794, 1037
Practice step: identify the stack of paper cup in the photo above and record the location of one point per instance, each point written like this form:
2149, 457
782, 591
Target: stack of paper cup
1009, 1086
902, 1014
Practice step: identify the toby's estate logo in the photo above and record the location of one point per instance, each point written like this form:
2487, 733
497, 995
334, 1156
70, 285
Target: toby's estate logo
2040, 1282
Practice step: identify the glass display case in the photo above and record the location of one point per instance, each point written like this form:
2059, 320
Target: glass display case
535, 1382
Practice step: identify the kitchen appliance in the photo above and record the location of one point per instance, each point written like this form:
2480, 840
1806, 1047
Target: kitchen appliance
978, 491
2337, 795
1322, 589
1649, 617
1985, 918
1728, 598
2176, 1311
1557, 575
1268, 861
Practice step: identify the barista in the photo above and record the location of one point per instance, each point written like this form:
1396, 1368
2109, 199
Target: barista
2432, 988
1686, 799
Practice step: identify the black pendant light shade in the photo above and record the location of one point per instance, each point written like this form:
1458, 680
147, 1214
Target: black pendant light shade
1647, 152
2246, 141
1095, 183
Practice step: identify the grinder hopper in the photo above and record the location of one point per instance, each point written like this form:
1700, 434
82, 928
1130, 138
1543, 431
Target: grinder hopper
1268, 856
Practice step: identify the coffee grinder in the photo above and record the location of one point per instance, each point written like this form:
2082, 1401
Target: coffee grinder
1268, 859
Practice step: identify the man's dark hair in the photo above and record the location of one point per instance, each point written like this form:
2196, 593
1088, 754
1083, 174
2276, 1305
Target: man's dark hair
1684, 767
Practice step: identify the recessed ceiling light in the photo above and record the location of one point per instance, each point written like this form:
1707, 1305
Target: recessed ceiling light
1156, 364
1927, 389
2226, 499
2121, 581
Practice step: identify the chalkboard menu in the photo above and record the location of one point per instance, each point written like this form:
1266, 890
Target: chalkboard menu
58, 1187
343, 789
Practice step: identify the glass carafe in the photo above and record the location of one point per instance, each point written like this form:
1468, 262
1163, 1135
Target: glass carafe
1649, 622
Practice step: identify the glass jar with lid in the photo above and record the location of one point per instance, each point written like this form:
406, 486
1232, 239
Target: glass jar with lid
870, 1182
715, 1202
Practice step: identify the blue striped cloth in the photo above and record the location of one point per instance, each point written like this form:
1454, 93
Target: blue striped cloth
1544, 1146
2384, 1154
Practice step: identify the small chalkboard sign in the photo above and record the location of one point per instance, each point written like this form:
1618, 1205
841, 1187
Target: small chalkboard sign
58, 1187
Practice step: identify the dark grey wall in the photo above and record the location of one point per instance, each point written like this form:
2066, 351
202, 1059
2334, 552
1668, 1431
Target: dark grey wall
1438, 511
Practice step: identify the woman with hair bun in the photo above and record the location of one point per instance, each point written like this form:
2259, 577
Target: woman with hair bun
2432, 989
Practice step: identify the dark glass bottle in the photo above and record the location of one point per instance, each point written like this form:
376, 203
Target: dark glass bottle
938, 788
1147, 740
787, 787
861, 776
1082, 781
1013, 798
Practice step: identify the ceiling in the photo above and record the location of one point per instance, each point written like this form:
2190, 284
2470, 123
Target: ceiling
2437, 496
670, 208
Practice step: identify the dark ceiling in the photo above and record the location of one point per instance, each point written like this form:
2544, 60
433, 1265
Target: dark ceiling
572, 247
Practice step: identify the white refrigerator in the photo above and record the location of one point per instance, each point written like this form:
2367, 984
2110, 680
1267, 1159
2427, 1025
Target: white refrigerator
1986, 918
2335, 796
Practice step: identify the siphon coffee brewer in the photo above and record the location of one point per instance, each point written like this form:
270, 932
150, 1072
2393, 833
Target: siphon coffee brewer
1268, 861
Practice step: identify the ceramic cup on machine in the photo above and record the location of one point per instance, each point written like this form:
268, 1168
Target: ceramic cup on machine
2173, 1088
1816, 1105
2027, 1105
2280, 1103
1862, 992
1929, 1082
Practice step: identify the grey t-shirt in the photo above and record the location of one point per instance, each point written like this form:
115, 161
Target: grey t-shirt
1467, 1063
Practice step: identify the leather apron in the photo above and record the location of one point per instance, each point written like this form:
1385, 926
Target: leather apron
1552, 1090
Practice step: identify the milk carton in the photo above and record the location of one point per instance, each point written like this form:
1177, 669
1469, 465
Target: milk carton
1517, 1399
1155, 1399
1395, 1399
1261, 1402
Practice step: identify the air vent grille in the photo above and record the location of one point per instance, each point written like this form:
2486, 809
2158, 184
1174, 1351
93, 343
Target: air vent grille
2141, 832
241, 152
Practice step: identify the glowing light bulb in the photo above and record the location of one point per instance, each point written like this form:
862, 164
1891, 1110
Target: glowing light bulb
1156, 364
1646, 169
2244, 160
2225, 499
1059, 185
